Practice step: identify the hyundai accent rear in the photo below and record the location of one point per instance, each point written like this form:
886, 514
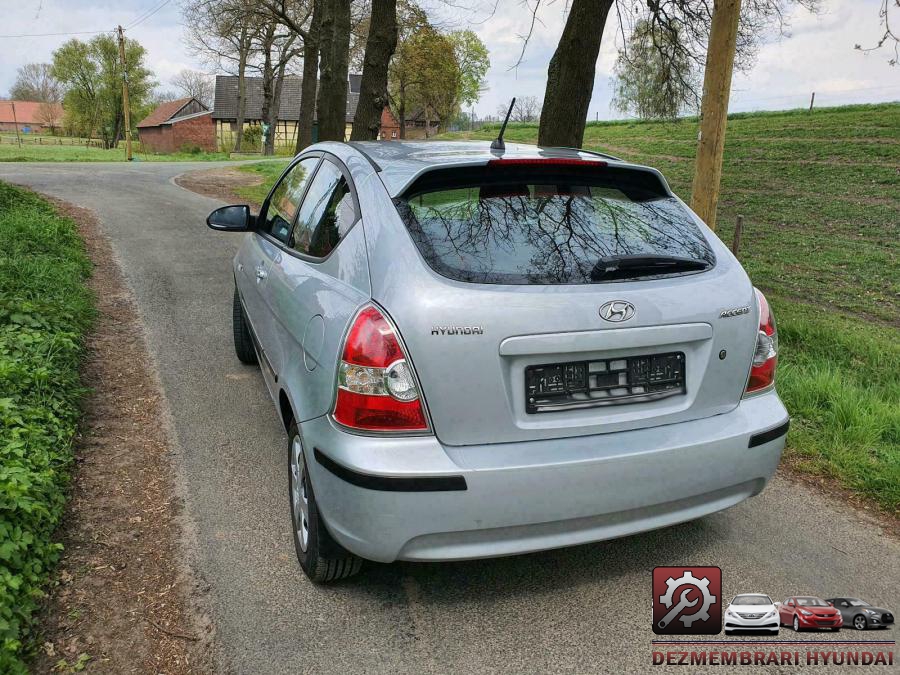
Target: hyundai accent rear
547, 348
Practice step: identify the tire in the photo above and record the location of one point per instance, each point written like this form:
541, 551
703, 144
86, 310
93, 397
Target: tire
859, 622
796, 624
774, 631
321, 557
243, 341
835, 629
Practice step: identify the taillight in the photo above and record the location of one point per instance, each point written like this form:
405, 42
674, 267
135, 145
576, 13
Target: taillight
377, 390
765, 357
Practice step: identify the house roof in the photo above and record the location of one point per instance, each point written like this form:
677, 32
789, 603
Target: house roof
27, 112
226, 101
166, 112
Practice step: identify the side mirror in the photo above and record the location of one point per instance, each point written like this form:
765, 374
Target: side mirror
231, 219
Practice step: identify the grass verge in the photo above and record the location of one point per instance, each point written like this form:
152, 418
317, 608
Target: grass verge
268, 171
45, 309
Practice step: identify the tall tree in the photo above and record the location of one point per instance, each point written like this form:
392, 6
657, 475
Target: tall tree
380, 46
196, 85
92, 75
34, 82
224, 33
473, 61
573, 66
570, 76
334, 48
654, 79
309, 85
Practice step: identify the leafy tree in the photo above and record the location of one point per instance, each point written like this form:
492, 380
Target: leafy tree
92, 75
35, 83
473, 61
654, 79
433, 71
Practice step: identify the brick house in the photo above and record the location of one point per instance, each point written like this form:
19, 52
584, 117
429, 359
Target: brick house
30, 116
178, 125
225, 110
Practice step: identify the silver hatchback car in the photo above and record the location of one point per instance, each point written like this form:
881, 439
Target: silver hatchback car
480, 353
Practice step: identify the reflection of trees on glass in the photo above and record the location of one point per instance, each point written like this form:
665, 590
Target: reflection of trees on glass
285, 199
545, 234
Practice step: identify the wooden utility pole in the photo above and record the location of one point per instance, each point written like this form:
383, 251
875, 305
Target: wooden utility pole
125, 94
812, 101
714, 109
16, 123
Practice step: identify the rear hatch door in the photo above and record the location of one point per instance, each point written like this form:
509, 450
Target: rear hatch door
546, 300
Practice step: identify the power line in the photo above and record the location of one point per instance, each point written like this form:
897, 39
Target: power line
80, 32
147, 15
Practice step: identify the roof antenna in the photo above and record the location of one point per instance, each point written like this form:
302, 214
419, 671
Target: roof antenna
498, 143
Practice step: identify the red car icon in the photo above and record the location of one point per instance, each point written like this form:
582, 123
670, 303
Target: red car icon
807, 612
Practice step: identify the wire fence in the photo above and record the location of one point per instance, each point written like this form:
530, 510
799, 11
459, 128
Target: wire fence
30, 139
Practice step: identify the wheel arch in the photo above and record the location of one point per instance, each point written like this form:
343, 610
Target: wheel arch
286, 410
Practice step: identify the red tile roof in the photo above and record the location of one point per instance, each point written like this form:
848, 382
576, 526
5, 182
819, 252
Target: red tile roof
27, 112
163, 113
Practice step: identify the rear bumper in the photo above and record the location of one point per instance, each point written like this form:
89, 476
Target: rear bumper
412, 498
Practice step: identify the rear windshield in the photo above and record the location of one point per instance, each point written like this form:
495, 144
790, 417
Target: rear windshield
540, 225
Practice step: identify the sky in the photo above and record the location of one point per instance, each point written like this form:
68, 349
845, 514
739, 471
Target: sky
817, 54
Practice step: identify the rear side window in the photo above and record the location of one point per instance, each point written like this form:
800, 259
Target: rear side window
328, 211
551, 225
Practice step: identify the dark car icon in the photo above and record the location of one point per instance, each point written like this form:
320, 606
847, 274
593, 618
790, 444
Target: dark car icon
861, 615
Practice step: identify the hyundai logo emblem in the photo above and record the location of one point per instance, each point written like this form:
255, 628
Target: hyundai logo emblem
617, 311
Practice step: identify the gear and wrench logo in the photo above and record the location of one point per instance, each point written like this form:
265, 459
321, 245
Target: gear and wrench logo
686, 600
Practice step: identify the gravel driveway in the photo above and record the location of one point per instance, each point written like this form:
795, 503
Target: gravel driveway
585, 609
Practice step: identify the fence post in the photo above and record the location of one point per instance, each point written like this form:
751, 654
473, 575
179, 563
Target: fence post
812, 100
738, 228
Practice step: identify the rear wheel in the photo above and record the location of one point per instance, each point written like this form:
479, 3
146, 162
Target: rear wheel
243, 342
321, 557
859, 622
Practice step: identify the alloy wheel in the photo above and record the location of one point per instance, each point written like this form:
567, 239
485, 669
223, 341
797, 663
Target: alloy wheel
859, 623
299, 497
796, 624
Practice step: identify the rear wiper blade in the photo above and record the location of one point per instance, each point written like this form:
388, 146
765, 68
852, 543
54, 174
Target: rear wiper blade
624, 266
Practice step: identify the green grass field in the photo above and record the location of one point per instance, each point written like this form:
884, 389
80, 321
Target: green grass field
10, 152
45, 309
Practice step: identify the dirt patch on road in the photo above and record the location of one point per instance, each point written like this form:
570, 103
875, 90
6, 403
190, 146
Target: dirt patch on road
122, 601
219, 183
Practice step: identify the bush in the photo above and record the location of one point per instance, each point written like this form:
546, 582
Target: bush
190, 149
45, 310
252, 140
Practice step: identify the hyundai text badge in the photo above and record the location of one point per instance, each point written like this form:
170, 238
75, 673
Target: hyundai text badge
616, 311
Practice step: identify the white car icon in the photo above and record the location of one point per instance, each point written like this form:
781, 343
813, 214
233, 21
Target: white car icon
751, 612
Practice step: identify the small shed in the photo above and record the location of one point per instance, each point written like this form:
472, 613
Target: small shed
177, 126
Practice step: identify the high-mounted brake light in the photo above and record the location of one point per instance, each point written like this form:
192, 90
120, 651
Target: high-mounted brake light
548, 161
377, 390
765, 357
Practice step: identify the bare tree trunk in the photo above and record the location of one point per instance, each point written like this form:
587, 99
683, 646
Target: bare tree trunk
243, 53
268, 82
380, 46
570, 77
310, 79
334, 49
401, 111
275, 107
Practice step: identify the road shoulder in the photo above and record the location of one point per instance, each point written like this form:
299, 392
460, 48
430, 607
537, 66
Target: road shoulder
121, 594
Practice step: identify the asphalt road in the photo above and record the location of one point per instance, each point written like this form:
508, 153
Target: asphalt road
584, 609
